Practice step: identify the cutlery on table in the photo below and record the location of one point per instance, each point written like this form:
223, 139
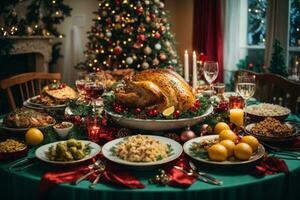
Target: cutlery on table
93, 167
94, 183
192, 173
22, 164
280, 151
205, 175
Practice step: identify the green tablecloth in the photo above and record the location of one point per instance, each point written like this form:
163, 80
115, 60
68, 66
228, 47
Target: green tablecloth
237, 185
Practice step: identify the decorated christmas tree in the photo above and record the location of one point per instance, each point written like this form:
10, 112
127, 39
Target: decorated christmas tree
130, 34
277, 65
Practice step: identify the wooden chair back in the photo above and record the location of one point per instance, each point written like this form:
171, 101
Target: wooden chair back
28, 85
272, 88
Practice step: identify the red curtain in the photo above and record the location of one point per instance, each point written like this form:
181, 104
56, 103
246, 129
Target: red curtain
207, 31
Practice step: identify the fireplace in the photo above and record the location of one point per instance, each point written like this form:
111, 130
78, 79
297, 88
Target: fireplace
30, 54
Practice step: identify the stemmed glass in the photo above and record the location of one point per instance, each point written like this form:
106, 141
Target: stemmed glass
246, 88
210, 70
94, 88
82, 77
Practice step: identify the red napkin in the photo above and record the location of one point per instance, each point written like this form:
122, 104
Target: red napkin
270, 165
110, 175
178, 177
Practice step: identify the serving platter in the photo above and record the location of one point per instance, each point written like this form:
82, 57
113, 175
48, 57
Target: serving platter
158, 125
256, 118
2, 126
296, 133
39, 105
187, 149
40, 153
176, 147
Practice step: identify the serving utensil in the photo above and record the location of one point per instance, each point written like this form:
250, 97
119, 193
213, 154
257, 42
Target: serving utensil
93, 167
195, 170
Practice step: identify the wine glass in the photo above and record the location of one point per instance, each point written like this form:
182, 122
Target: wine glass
210, 70
246, 88
82, 77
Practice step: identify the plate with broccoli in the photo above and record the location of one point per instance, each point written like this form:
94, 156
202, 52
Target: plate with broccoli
67, 152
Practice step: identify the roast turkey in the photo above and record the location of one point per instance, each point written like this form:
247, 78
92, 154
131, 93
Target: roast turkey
156, 89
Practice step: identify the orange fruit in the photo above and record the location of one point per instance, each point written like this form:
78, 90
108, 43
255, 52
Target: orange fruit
243, 151
217, 152
229, 145
228, 135
252, 141
34, 136
220, 127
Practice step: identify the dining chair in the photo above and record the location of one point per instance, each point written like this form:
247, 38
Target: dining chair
26, 85
273, 88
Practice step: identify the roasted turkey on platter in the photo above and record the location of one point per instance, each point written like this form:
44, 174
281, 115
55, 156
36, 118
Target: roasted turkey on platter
156, 89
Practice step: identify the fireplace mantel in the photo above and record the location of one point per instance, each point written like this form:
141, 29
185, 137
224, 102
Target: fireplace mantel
41, 45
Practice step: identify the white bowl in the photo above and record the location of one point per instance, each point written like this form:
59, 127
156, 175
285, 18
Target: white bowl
63, 132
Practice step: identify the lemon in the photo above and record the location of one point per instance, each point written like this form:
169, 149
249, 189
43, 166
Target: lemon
34, 136
252, 141
243, 151
169, 111
220, 127
228, 135
229, 145
217, 152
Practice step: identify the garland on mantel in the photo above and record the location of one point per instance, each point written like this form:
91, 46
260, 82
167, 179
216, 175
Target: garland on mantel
40, 19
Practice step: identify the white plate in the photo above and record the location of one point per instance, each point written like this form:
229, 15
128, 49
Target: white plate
186, 148
158, 125
28, 101
177, 150
22, 129
40, 153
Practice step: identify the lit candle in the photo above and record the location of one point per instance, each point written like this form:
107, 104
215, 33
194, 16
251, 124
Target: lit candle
237, 116
194, 70
93, 133
186, 67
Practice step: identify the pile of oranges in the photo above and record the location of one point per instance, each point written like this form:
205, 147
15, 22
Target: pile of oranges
230, 147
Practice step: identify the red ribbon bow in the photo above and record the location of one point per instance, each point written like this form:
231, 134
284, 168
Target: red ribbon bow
271, 165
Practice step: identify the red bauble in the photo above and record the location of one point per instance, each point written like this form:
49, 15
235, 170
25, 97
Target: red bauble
140, 10
117, 50
157, 35
137, 45
187, 135
153, 16
176, 114
141, 37
137, 110
162, 29
118, 109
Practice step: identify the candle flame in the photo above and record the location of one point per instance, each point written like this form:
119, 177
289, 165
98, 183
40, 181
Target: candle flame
185, 52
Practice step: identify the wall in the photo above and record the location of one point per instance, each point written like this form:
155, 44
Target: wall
181, 18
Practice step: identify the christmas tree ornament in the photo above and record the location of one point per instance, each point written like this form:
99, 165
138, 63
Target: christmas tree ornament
162, 56
118, 26
108, 34
141, 28
157, 35
147, 50
155, 61
157, 46
104, 13
147, 2
141, 38
162, 29
137, 45
117, 50
153, 16
129, 60
187, 135
145, 65
140, 10
205, 130
148, 19
167, 43
161, 5
134, 57
117, 18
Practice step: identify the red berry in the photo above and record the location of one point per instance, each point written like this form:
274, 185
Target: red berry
150, 113
118, 109
137, 110
194, 109
197, 103
176, 114
154, 113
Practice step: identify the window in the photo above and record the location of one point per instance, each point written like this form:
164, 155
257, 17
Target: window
294, 40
